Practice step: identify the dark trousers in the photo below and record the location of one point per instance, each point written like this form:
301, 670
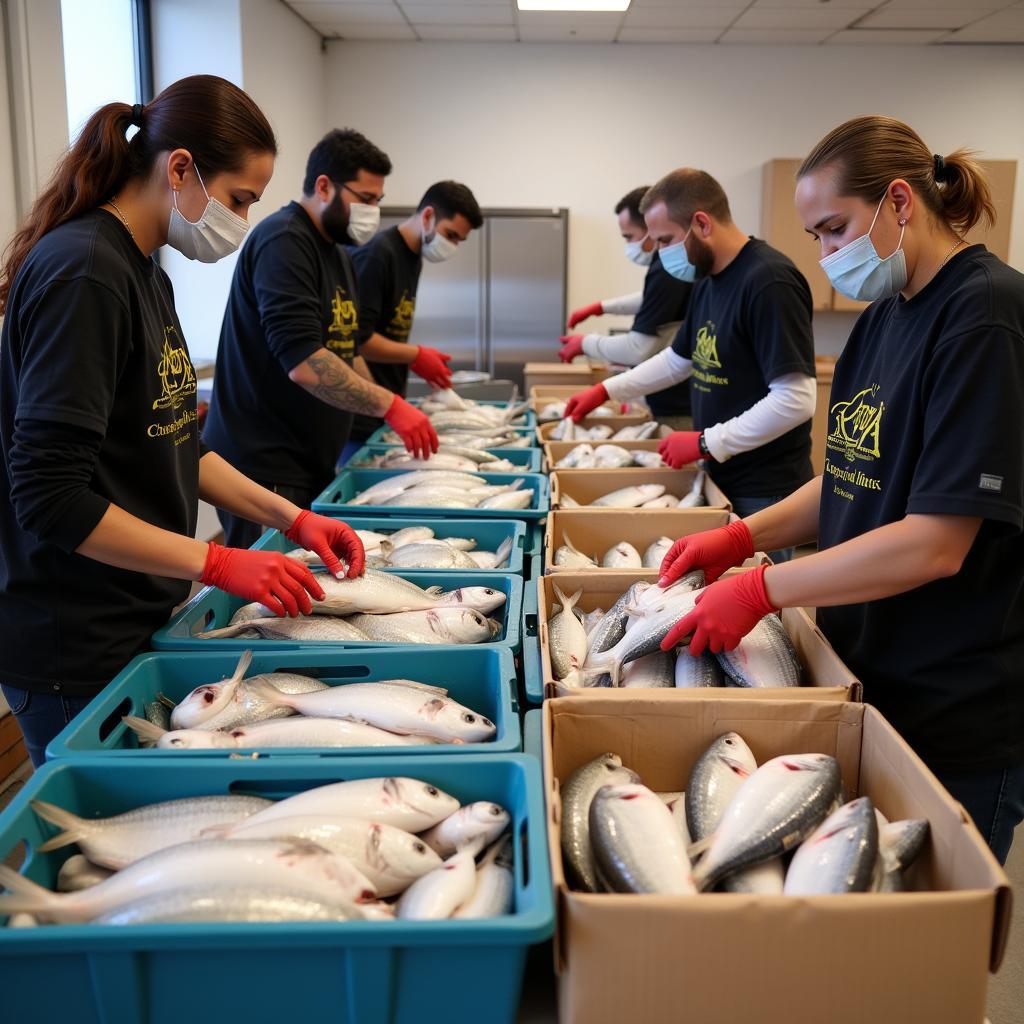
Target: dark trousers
995, 800
241, 533
41, 716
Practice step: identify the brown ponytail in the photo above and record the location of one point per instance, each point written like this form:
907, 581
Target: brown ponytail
870, 152
212, 118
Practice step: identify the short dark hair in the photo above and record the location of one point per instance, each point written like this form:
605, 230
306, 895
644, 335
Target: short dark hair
449, 198
686, 191
341, 154
631, 202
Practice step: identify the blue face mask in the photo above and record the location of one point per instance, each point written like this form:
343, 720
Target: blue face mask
676, 262
858, 272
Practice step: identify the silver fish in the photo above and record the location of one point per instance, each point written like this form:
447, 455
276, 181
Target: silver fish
774, 810
483, 599
392, 485
302, 627
637, 844
904, 840
765, 657
480, 820
445, 625
509, 499
572, 457
839, 856
121, 840
577, 793
77, 872
564, 431
612, 628
655, 670
494, 891
610, 456
629, 497
694, 672
427, 556
649, 460
409, 535
695, 498
714, 780
637, 432
567, 639
656, 552
439, 460
664, 501
441, 892
424, 498
622, 556
568, 556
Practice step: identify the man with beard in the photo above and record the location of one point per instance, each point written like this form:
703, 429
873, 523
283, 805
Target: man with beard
285, 392
746, 346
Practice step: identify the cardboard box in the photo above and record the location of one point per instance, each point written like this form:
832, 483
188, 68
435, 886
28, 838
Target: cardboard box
919, 957
593, 531
585, 486
826, 677
579, 375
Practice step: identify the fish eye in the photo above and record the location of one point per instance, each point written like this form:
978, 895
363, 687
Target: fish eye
496, 810
419, 847
177, 742
468, 717
431, 790
208, 697
487, 722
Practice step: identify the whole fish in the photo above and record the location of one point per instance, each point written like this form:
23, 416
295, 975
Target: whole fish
622, 556
417, 497
637, 432
493, 559
427, 556
446, 625
391, 858
392, 705
610, 456
77, 872
208, 903
904, 840
478, 821
637, 844
714, 780
483, 599
611, 629
694, 672
649, 460
695, 498
392, 485
839, 856
664, 501
774, 810
259, 863
767, 879
764, 657
509, 499
406, 803
577, 794
569, 557
494, 889
302, 627
629, 497
121, 840
655, 670
439, 460
480, 456
409, 535
572, 458
567, 640
441, 892
656, 552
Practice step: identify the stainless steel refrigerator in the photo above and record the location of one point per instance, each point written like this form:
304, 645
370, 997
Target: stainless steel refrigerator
500, 301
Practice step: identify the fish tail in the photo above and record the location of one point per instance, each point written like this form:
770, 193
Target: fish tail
503, 553
148, 732
70, 823
386, 548
241, 668
434, 591
24, 895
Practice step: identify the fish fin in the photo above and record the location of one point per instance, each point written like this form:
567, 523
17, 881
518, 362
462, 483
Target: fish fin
516, 484
412, 684
24, 895
242, 667
386, 549
503, 553
166, 701
70, 824
433, 592
266, 691
147, 732
699, 848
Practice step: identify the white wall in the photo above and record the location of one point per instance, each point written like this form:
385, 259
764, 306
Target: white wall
578, 125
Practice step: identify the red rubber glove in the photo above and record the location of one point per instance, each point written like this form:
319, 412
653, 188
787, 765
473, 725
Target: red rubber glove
572, 346
680, 448
431, 365
281, 583
586, 401
714, 551
413, 427
584, 313
329, 538
724, 614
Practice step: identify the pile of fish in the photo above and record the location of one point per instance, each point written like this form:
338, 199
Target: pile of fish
416, 547
567, 430
622, 647
367, 849
479, 440
286, 709
377, 606
449, 410
781, 828
619, 556
608, 456
556, 411
643, 496
444, 488
457, 457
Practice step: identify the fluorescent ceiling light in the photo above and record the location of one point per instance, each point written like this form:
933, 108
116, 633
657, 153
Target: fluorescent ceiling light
573, 5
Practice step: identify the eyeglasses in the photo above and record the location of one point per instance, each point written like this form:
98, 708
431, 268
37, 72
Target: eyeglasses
364, 197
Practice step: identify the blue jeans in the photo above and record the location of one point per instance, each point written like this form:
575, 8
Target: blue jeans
41, 716
744, 507
995, 800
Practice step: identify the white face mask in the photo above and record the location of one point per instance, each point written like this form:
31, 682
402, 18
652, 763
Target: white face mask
635, 253
437, 249
858, 272
216, 234
363, 221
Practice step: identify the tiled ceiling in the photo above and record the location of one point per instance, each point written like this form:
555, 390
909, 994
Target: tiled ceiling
810, 22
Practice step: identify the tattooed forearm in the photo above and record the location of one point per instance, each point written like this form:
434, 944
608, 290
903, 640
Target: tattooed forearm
334, 382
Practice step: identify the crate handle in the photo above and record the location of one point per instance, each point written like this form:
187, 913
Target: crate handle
522, 855
113, 720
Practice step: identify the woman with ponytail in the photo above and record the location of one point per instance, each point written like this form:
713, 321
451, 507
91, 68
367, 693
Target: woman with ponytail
919, 514
102, 462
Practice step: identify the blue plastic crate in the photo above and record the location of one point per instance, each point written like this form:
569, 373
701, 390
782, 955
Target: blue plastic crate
535, 537
488, 533
482, 680
529, 458
350, 482
533, 679
533, 733
378, 437
212, 608
527, 419
353, 972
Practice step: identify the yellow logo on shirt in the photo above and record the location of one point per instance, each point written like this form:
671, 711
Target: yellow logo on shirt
177, 377
401, 322
706, 352
341, 333
857, 424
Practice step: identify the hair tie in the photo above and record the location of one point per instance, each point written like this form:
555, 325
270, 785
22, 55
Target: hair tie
136, 115
940, 167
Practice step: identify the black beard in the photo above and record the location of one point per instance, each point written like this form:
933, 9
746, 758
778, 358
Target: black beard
335, 221
703, 258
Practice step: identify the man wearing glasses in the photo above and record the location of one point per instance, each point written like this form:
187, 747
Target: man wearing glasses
285, 391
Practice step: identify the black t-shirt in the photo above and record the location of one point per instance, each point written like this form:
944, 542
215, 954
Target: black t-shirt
388, 276
664, 302
746, 326
293, 292
92, 353
925, 418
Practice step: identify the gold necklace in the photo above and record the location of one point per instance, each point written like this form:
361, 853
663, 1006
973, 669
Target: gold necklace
950, 253
123, 218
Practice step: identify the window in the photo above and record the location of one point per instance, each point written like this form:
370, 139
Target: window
106, 55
